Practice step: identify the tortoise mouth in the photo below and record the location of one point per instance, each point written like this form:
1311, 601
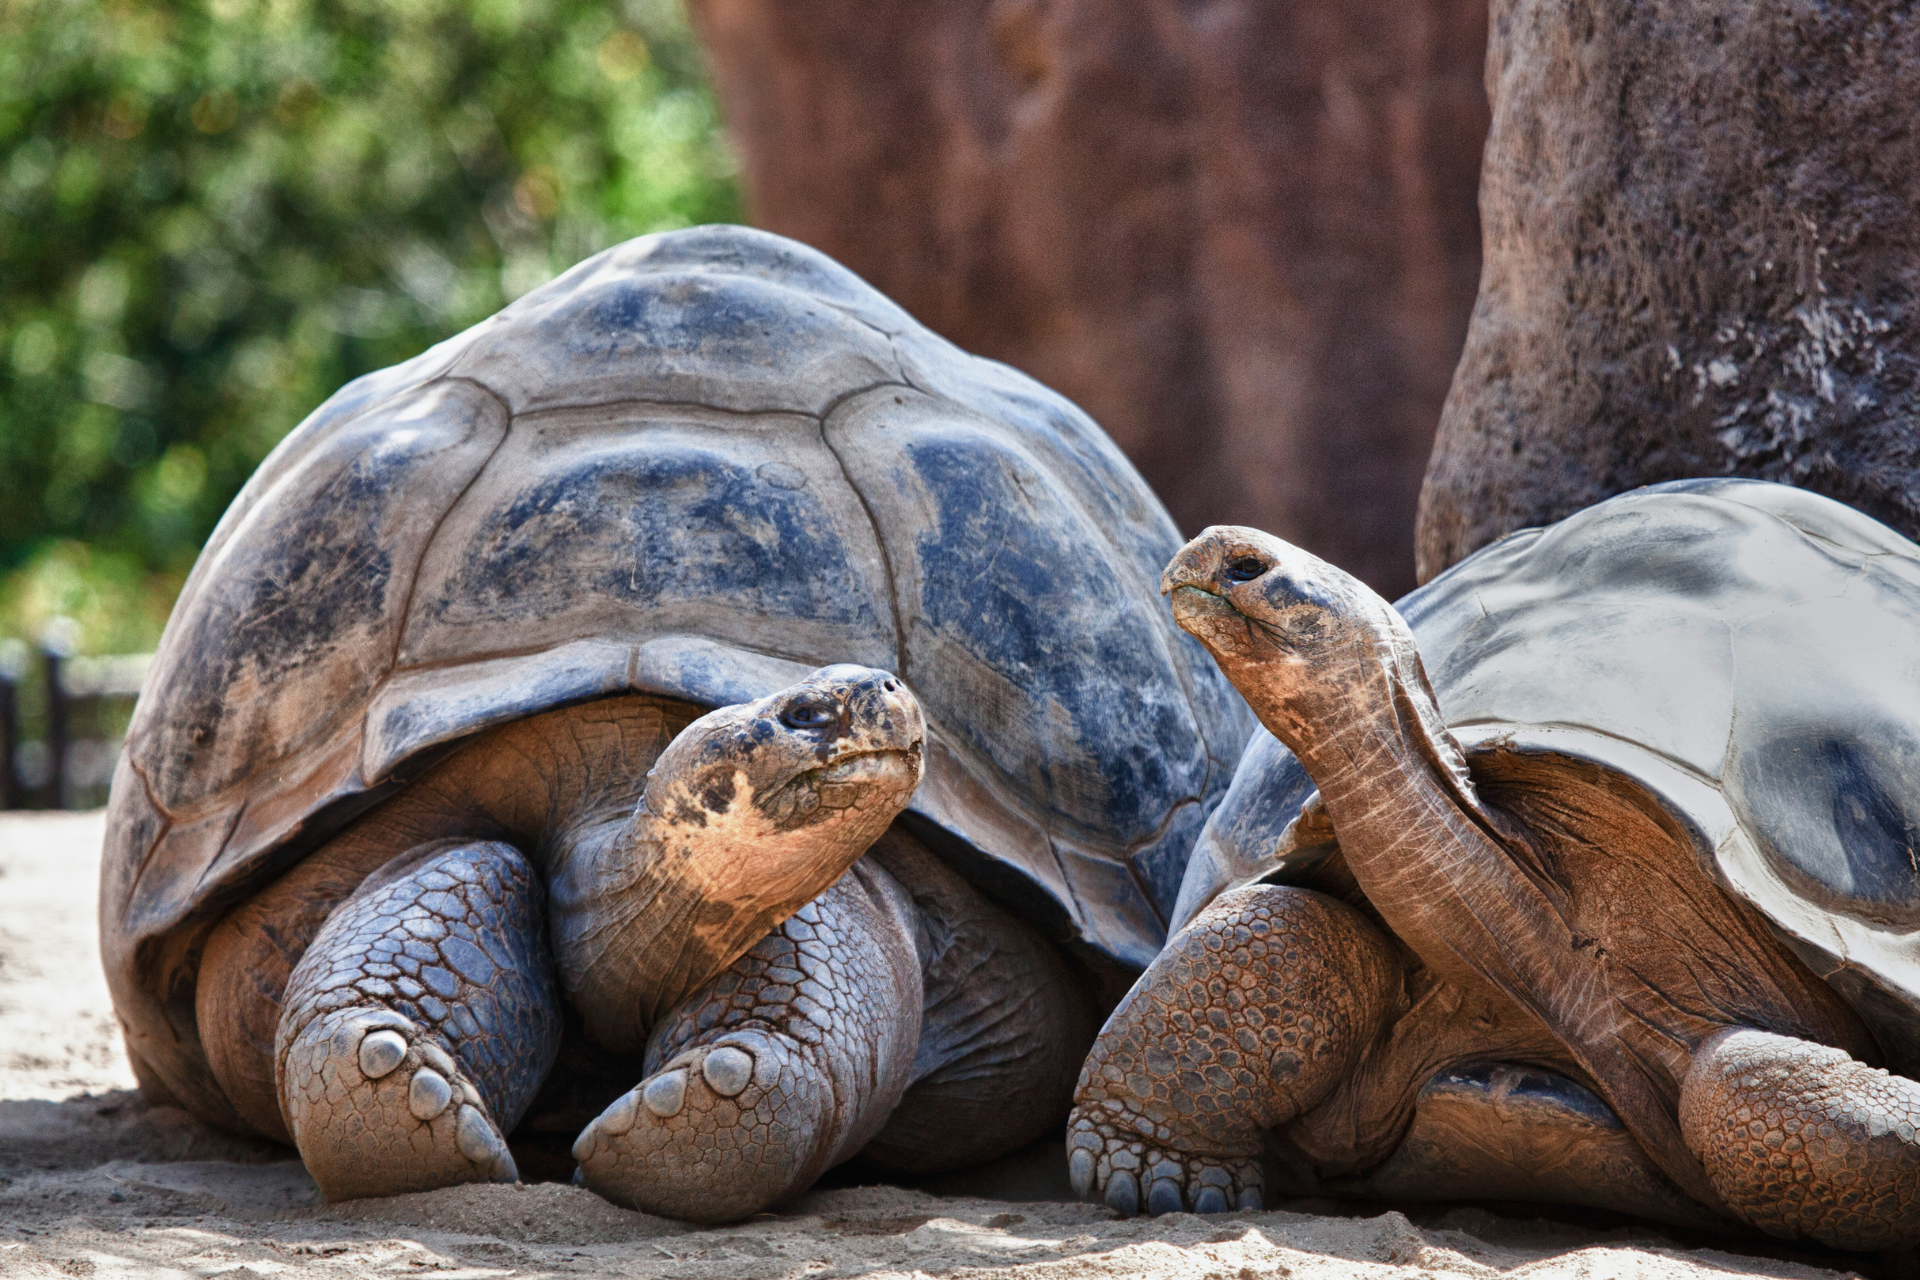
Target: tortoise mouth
883, 765
1195, 604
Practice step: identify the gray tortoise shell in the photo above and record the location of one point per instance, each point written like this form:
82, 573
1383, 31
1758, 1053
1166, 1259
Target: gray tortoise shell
700, 464
1747, 652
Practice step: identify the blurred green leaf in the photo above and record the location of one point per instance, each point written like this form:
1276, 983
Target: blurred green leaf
214, 214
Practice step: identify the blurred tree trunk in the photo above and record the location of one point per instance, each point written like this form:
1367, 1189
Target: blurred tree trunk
1242, 235
1703, 258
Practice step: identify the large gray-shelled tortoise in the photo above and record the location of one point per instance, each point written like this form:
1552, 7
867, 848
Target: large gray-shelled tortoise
1588, 875
698, 674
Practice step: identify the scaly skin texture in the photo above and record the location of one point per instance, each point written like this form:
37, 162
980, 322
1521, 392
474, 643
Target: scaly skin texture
1571, 916
750, 812
782, 1067
419, 1024
529, 784
1252, 1015
819, 1025
665, 855
1006, 1023
1800, 1139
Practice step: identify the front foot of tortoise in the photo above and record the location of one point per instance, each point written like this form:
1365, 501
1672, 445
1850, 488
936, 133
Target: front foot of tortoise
1109, 1158
1249, 1017
1263, 1003
779, 1069
377, 1108
1802, 1139
723, 1131
419, 1024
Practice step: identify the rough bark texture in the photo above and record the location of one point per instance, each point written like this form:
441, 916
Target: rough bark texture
1702, 228
1240, 235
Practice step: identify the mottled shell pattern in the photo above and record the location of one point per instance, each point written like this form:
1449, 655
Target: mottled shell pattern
700, 465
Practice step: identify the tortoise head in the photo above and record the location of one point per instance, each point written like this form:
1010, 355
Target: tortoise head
843, 745
751, 812
1286, 627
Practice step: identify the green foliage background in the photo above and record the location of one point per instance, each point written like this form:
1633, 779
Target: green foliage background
213, 214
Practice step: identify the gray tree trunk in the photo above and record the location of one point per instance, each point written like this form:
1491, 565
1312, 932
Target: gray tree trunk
1702, 230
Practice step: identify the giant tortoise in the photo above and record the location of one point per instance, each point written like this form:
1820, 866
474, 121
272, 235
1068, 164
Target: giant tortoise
1588, 875
488, 731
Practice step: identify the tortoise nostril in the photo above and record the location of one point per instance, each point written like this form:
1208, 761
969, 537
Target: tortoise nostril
891, 686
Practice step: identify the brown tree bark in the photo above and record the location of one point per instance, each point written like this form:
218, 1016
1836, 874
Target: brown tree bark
1702, 225
1241, 235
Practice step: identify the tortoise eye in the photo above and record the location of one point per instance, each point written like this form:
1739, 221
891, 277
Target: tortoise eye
809, 715
1245, 569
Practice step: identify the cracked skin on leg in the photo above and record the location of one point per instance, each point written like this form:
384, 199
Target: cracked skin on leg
1253, 1014
779, 1069
419, 1024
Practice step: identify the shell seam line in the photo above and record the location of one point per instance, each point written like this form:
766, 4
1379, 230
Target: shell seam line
1496, 743
1731, 746
406, 607
873, 524
426, 545
1170, 642
1044, 819
1076, 912
395, 667
166, 822
226, 837
510, 418
530, 415
891, 335
503, 655
1133, 851
1166, 824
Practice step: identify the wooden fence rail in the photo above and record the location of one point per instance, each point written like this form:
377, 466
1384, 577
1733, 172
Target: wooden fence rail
62, 717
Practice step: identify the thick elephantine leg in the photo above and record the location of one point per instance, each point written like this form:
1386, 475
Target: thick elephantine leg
1801, 1139
419, 1024
1252, 1014
779, 1069
1007, 1022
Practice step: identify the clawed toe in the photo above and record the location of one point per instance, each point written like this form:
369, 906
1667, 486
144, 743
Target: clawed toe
1112, 1163
377, 1107
666, 1093
719, 1132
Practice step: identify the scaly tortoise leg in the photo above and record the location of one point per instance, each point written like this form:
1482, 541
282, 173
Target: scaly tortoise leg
1801, 1139
784, 1066
419, 1024
1250, 1016
1006, 1022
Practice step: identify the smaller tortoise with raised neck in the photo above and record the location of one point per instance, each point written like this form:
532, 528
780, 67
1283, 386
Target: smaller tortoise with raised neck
1670, 794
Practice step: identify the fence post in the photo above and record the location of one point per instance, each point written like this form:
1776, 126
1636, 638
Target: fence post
56, 730
12, 667
57, 643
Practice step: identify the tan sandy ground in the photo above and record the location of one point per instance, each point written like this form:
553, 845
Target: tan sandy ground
93, 1182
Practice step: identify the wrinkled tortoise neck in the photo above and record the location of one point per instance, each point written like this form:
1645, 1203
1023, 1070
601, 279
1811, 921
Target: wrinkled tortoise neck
1394, 781
636, 921
1456, 879
567, 788
647, 908
611, 896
